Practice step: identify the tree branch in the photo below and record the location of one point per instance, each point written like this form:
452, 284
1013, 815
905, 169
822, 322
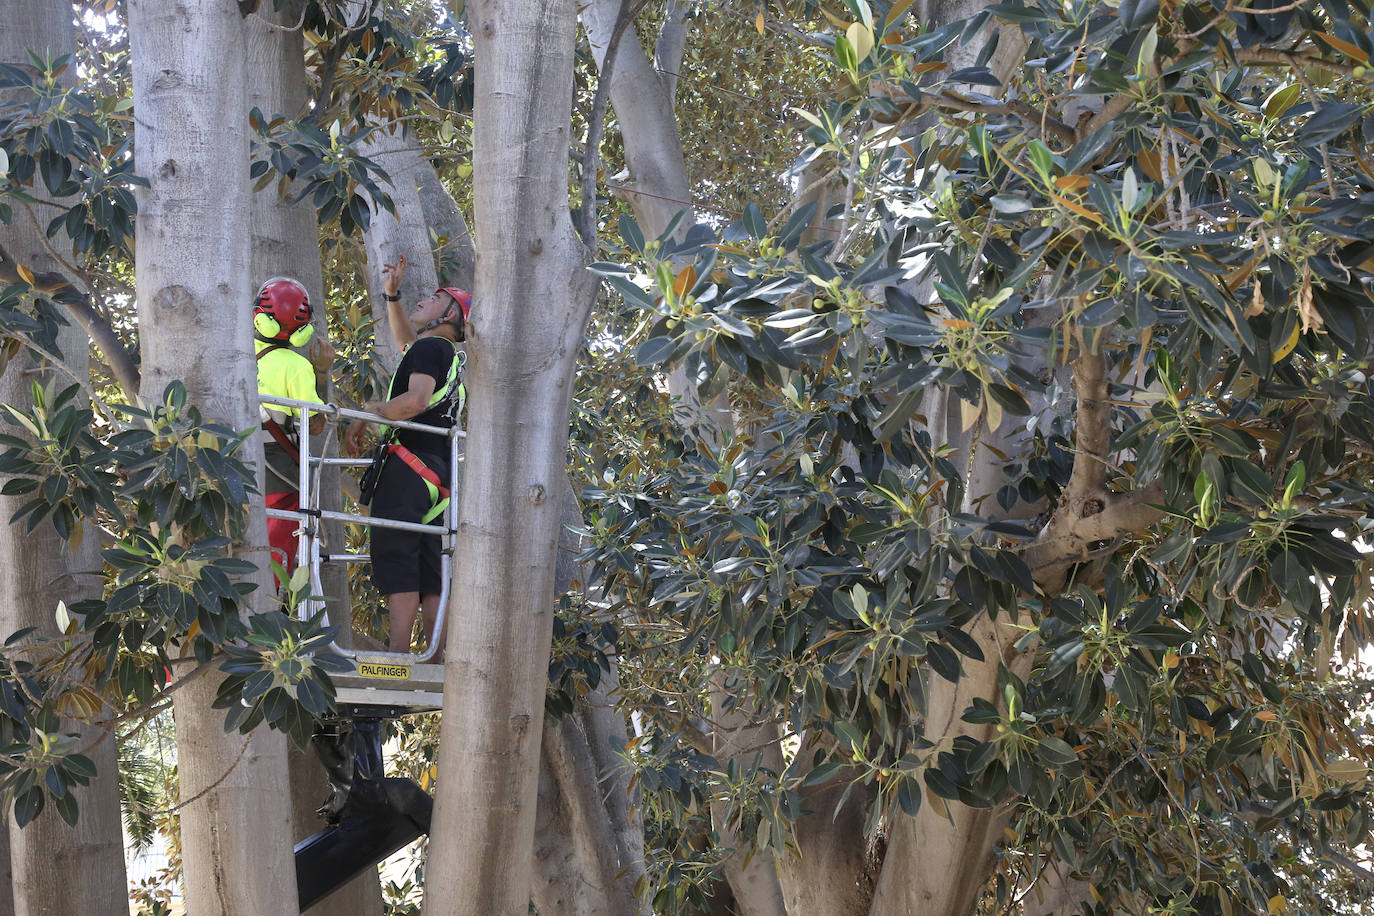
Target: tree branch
1292, 59
78, 305
1068, 538
1046, 125
1088, 512
1092, 431
1117, 104
596, 124
672, 42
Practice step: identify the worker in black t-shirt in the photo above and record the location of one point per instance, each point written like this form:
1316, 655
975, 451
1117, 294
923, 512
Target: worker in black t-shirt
413, 482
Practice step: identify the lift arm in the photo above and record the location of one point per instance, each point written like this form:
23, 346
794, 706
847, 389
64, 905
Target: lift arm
370, 816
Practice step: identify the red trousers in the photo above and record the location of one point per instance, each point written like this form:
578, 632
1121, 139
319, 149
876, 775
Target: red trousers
281, 532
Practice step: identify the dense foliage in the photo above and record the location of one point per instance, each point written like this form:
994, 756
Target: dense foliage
1178, 198
1121, 253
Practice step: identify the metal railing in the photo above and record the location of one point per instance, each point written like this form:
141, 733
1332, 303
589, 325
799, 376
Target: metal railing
311, 516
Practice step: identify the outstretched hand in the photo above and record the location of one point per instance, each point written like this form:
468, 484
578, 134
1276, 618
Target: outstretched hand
354, 438
392, 274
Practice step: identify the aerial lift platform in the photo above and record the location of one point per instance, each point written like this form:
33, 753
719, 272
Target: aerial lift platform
369, 816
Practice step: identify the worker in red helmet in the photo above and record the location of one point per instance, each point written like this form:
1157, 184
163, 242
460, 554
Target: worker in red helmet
413, 477
281, 322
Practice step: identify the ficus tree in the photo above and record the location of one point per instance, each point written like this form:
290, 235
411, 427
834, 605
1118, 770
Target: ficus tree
1046, 530
1012, 572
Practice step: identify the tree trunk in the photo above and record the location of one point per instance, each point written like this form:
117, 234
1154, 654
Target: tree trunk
404, 233
53, 868
535, 296
833, 870
194, 295
286, 243
445, 218
589, 834
642, 97
59, 870
752, 873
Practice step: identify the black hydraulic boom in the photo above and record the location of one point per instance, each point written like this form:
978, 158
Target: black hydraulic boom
369, 815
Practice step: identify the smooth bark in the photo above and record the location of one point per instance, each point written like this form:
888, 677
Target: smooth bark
445, 218
736, 737
53, 868
535, 297
404, 232
192, 275
589, 834
656, 186
59, 870
286, 243
834, 867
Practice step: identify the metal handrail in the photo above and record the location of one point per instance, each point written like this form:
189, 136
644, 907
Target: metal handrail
308, 545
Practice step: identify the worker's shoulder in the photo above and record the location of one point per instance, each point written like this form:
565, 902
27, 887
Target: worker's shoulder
434, 344
436, 350
285, 358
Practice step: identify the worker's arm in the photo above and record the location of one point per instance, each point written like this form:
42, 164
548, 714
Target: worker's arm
396, 316
410, 403
321, 356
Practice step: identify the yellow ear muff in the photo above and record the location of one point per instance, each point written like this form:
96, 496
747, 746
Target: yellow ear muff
266, 325
301, 336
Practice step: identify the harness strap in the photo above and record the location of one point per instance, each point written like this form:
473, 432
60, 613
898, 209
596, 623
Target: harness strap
271, 425
269, 348
438, 493
454, 370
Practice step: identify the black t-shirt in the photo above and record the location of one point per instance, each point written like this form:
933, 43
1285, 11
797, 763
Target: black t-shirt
432, 356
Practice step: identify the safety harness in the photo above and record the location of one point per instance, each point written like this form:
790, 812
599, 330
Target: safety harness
271, 425
438, 493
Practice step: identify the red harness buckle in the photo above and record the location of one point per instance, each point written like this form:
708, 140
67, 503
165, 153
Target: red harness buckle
419, 467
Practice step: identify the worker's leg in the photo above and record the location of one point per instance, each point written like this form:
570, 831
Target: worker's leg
432, 573
281, 532
429, 608
402, 607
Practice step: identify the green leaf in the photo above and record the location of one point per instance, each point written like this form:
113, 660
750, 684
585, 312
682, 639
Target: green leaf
822, 773
27, 806
1056, 752
1041, 158
1282, 99
630, 234
909, 796
654, 351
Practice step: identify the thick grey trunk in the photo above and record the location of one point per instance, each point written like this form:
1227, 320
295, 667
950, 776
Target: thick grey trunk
6, 876
642, 97
535, 297
752, 873
833, 869
579, 866
607, 735
589, 835
53, 868
445, 218
406, 233
941, 863
286, 243
192, 276
58, 869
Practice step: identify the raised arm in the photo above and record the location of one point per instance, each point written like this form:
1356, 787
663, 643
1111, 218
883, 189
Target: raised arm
401, 331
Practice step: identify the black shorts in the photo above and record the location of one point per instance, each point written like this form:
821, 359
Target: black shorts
406, 561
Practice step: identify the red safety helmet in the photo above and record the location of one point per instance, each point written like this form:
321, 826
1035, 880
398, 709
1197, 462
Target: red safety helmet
282, 311
464, 300
460, 296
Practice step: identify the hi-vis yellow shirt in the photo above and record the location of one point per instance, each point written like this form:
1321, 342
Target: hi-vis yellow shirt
284, 373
